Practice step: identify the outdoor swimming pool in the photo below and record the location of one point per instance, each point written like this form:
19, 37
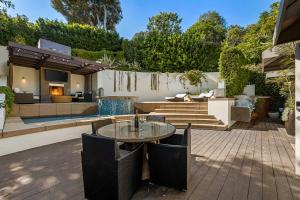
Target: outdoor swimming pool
107, 106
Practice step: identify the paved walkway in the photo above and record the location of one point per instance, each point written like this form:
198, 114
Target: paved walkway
243, 163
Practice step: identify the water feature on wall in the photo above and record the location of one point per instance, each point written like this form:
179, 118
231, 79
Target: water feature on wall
116, 105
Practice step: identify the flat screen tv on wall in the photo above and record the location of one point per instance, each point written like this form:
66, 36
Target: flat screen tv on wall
57, 76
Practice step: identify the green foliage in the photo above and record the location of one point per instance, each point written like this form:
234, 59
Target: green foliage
232, 69
258, 37
96, 55
202, 42
258, 78
9, 98
195, 77
234, 36
4, 4
165, 23
78, 35
19, 29
134, 48
286, 86
162, 50
101, 13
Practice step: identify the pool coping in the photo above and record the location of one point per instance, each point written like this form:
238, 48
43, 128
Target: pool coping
15, 126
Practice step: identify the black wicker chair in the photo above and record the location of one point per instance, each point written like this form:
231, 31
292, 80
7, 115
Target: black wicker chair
156, 118
169, 161
109, 172
100, 123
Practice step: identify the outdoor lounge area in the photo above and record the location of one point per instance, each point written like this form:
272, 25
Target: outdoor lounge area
243, 163
131, 100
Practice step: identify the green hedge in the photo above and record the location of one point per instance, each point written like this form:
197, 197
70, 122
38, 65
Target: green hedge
19, 29
96, 55
232, 62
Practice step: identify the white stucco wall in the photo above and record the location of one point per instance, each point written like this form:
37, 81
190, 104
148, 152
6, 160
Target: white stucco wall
297, 113
23, 142
221, 109
167, 84
30, 83
77, 83
3, 65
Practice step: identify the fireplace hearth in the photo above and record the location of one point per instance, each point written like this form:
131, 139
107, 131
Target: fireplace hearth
56, 89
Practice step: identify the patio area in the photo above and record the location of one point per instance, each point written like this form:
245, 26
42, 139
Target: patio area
243, 163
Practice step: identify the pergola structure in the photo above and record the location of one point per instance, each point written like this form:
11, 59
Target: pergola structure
272, 60
34, 57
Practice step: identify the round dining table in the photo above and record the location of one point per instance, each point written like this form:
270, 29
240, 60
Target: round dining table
125, 131
148, 131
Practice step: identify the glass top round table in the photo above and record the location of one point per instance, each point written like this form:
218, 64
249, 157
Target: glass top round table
147, 131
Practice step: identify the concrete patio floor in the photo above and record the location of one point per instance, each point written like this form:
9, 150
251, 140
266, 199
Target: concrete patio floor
243, 163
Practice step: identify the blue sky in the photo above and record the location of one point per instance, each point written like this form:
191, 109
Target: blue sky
137, 12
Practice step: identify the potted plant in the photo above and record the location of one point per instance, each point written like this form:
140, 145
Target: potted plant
287, 90
274, 110
195, 77
288, 116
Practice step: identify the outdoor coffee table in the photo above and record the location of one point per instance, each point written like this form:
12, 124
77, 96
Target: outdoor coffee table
147, 132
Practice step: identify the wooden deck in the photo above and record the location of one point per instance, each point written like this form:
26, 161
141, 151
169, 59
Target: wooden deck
243, 163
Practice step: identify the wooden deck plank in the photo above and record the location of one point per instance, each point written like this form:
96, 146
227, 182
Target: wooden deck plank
269, 185
233, 176
255, 187
287, 164
241, 189
213, 151
282, 184
243, 163
213, 168
218, 182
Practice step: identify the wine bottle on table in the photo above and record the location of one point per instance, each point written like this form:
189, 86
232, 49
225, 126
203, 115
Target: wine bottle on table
136, 120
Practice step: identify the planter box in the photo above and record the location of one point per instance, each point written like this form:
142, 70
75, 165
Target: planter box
290, 124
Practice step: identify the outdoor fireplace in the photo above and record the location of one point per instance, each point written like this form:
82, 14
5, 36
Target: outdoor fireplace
56, 89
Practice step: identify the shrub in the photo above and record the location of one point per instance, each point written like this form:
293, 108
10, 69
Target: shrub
231, 66
9, 98
19, 29
195, 77
96, 55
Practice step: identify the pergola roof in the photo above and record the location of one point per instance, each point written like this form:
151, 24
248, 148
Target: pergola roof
34, 57
288, 24
273, 61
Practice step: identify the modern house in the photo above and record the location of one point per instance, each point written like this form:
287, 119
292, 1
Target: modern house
288, 30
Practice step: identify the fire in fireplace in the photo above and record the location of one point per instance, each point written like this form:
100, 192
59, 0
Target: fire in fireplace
56, 90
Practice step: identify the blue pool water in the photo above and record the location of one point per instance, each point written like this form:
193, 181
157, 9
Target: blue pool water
58, 118
106, 107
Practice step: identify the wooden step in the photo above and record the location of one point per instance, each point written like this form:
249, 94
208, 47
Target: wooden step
187, 111
193, 121
184, 107
186, 115
202, 126
185, 103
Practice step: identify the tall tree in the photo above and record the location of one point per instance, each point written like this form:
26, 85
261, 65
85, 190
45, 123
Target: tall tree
258, 37
101, 13
162, 45
234, 36
165, 23
203, 42
4, 4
